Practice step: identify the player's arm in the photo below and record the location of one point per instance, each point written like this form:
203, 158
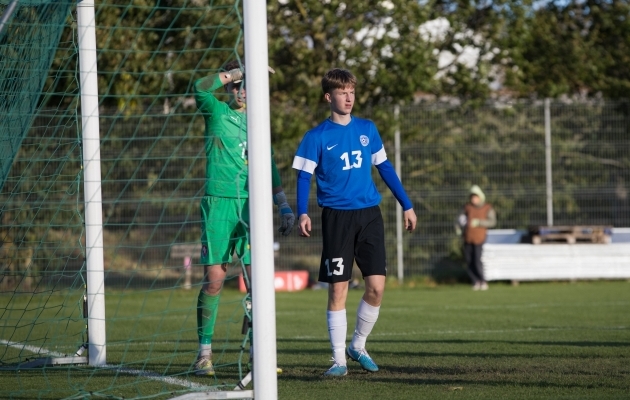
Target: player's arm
280, 199
303, 189
305, 162
388, 174
490, 221
460, 222
211, 83
204, 87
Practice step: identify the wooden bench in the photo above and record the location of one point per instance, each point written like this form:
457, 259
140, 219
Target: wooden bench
570, 234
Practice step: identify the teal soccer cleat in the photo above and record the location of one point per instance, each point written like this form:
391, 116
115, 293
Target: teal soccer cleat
337, 370
362, 357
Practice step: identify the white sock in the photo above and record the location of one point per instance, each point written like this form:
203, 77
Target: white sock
205, 350
337, 331
366, 319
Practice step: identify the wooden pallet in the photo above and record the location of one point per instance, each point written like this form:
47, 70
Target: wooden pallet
570, 234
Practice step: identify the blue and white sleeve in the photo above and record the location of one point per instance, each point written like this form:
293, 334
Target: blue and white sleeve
303, 189
307, 155
305, 162
376, 146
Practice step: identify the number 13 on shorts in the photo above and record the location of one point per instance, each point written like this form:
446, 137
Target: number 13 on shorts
337, 268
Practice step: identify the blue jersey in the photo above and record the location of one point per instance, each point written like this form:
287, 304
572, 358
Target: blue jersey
341, 157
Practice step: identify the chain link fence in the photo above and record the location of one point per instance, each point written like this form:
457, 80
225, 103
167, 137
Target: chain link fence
446, 149
153, 178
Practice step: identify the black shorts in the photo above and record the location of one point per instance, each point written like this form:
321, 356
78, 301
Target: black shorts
350, 235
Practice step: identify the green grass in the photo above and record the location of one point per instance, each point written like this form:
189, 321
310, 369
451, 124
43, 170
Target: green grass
536, 340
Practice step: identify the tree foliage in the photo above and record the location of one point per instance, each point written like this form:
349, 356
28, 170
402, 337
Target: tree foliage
574, 48
150, 51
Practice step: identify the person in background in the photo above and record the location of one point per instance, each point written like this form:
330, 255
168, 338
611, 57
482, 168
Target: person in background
472, 224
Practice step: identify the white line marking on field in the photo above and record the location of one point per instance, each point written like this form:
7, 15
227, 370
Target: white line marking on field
33, 349
144, 374
157, 377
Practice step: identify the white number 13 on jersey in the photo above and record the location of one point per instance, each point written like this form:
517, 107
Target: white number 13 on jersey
338, 269
357, 157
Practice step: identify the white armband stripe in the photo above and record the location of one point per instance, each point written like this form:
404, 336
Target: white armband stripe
304, 164
379, 157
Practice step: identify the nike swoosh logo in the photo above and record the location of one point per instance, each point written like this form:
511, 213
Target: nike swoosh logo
234, 119
331, 147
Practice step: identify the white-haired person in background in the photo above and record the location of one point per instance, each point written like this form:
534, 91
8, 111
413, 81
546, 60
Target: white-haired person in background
472, 224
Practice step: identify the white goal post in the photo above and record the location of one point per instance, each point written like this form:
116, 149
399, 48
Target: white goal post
261, 223
86, 25
261, 206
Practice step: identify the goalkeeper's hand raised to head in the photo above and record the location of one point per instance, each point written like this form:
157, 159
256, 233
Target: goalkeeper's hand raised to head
286, 214
237, 74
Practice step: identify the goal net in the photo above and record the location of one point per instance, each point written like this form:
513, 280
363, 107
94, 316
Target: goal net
152, 179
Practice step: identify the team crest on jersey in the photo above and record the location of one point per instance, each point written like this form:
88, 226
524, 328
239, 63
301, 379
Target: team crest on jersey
364, 140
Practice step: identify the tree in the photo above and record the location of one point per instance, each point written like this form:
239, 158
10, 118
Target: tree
571, 48
378, 41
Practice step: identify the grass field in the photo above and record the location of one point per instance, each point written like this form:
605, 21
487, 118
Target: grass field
533, 341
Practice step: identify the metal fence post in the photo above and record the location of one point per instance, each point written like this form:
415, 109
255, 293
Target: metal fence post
548, 163
399, 227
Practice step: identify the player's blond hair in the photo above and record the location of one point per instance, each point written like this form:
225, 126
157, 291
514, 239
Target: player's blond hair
338, 78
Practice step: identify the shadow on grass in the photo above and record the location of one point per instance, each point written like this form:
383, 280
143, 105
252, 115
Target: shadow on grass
466, 341
453, 376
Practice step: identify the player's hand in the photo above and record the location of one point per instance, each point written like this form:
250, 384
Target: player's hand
474, 222
237, 74
305, 225
410, 219
286, 214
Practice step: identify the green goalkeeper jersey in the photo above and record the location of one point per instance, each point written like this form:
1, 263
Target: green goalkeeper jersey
226, 144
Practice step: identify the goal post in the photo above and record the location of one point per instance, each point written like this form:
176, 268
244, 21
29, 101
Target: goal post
261, 223
93, 210
103, 178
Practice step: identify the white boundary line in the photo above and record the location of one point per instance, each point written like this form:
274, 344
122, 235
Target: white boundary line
157, 377
33, 349
144, 374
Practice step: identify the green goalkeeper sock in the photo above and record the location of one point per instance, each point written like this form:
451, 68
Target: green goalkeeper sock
207, 308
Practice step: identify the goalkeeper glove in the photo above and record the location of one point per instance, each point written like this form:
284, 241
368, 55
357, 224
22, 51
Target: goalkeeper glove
286, 214
238, 74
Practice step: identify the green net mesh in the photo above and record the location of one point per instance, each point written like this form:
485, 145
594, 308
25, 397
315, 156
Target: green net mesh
28, 46
152, 162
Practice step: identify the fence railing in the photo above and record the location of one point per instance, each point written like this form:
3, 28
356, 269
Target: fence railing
564, 164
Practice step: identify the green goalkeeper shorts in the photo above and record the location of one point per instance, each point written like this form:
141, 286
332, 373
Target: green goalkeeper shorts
224, 230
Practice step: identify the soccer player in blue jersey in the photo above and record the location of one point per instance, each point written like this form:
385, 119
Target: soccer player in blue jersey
340, 152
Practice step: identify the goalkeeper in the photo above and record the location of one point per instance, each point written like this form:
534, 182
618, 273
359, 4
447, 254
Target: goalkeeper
225, 206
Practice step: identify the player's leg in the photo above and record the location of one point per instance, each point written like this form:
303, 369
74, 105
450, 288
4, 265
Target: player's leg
207, 310
371, 259
469, 256
337, 327
483, 285
217, 224
336, 269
